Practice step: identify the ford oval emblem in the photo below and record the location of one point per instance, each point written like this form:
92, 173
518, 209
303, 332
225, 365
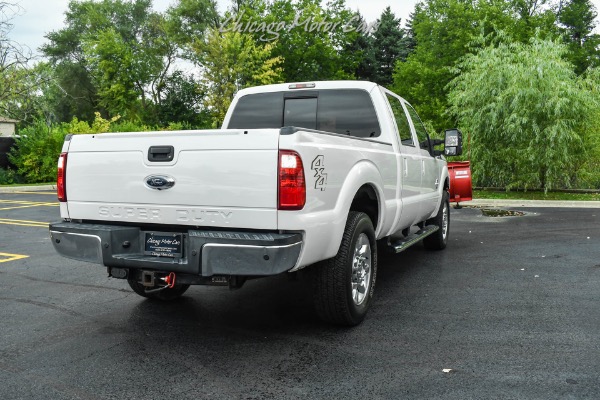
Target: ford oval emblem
159, 182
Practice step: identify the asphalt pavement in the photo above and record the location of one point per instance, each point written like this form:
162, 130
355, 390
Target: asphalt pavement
510, 310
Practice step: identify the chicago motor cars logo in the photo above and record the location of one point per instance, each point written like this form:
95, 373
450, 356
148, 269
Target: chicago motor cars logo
159, 182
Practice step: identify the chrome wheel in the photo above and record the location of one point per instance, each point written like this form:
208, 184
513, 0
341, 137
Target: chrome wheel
361, 269
445, 222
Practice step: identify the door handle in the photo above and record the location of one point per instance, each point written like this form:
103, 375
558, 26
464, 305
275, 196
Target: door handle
161, 153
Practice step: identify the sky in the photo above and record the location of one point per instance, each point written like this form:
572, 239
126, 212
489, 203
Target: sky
38, 17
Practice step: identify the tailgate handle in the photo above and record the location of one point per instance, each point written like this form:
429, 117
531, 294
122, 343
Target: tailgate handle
161, 153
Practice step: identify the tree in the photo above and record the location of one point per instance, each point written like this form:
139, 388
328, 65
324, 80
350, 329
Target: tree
309, 38
528, 114
232, 61
444, 31
358, 51
183, 102
116, 56
189, 19
389, 46
577, 22
19, 79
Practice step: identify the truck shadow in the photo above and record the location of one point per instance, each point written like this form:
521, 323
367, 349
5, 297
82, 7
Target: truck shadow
274, 305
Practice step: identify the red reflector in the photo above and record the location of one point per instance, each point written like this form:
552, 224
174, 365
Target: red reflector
292, 186
61, 178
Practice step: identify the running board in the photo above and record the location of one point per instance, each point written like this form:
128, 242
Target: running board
404, 243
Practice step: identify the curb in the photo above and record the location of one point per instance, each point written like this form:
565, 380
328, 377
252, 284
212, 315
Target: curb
37, 188
531, 203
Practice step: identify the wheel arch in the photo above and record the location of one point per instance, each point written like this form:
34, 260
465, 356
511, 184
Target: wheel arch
367, 201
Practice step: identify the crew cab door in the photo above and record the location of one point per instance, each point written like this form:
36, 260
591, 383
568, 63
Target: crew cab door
409, 161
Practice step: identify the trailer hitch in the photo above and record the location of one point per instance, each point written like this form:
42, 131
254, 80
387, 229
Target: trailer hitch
149, 279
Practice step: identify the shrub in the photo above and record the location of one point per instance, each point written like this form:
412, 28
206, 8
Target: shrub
36, 152
9, 177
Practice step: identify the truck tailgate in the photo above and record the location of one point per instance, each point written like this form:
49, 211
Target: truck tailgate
222, 178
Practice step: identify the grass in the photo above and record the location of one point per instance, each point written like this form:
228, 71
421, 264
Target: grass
28, 184
535, 195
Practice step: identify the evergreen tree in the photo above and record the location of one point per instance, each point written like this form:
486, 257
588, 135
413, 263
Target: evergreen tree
577, 21
389, 46
359, 53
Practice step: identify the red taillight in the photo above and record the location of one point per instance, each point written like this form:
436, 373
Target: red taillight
292, 186
61, 179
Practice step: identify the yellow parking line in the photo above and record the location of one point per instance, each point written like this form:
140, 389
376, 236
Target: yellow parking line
11, 257
51, 193
22, 202
21, 222
31, 205
27, 202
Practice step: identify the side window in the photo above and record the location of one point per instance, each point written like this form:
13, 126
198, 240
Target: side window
422, 135
403, 127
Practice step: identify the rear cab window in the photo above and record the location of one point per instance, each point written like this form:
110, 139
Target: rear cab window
343, 111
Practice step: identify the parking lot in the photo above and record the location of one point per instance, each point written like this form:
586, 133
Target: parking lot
510, 310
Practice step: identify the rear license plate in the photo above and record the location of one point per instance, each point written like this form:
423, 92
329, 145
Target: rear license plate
163, 244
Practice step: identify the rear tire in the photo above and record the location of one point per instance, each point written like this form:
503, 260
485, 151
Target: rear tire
344, 284
439, 239
163, 295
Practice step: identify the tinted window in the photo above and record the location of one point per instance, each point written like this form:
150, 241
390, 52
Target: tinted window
347, 111
403, 127
256, 111
301, 113
422, 135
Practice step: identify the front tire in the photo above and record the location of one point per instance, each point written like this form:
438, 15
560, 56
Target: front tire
439, 239
344, 284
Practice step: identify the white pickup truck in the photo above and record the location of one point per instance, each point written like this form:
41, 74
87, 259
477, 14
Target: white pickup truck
302, 174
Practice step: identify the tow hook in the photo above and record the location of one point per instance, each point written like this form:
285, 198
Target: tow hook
170, 280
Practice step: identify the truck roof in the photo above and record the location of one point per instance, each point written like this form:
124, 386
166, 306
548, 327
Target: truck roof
282, 87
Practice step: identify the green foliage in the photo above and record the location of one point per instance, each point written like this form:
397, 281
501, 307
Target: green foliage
113, 67
307, 36
527, 112
444, 30
129, 126
19, 78
115, 55
358, 51
36, 152
589, 175
535, 195
577, 21
38, 147
10, 177
389, 46
182, 102
233, 61
188, 19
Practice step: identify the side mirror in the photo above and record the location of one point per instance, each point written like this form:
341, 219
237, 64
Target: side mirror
453, 143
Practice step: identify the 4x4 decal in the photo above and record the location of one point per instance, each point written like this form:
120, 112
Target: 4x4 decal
318, 165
